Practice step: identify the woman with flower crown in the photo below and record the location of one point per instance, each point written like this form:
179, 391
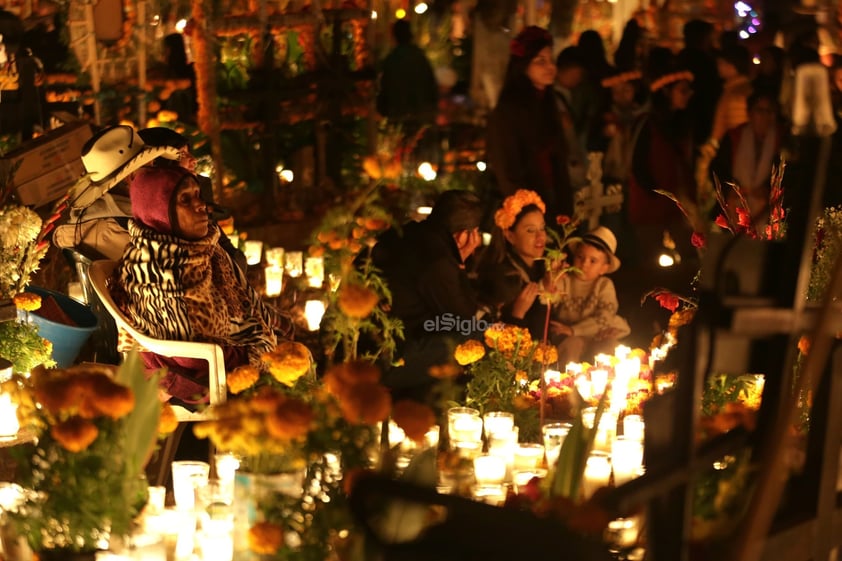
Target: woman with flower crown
526, 148
512, 268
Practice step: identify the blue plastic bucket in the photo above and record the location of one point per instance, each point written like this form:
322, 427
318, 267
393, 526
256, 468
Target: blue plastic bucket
67, 340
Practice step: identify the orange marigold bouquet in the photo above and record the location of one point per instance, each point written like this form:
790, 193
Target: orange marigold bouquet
501, 368
96, 426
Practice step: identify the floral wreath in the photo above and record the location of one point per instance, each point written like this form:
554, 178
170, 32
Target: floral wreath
621, 78
518, 45
514, 204
668, 79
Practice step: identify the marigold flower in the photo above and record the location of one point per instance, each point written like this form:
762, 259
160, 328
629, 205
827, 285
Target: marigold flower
505, 337
27, 301
74, 434
521, 377
292, 419
288, 362
356, 301
242, 378
109, 398
342, 376
264, 401
59, 395
265, 538
167, 423
681, 318
367, 403
514, 204
469, 352
545, 354
414, 418
804, 344
444, 371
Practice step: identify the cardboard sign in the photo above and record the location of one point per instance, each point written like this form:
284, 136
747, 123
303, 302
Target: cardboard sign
49, 164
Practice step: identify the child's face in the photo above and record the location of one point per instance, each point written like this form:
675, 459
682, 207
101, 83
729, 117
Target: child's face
591, 261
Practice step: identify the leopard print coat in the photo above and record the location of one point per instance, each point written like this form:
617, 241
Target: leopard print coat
191, 291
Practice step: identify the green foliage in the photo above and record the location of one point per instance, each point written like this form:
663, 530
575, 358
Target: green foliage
723, 389
827, 238
573, 456
21, 344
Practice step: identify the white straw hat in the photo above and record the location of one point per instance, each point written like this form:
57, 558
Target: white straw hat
109, 157
604, 239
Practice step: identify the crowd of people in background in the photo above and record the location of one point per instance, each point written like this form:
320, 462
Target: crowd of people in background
665, 120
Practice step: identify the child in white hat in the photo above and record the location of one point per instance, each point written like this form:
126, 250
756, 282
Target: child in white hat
587, 314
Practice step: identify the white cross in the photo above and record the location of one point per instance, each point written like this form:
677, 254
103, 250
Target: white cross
595, 198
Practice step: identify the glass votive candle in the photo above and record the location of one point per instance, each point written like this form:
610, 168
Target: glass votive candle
254, 251
606, 432
157, 499
468, 449
314, 311
633, 427
626, 459
498, 421
274, 281
528, 456
314, 268
503, 444
622, 533
554, 435
294, 263
489, 470
597, 473
599, 380
187, 476
275, 257
463, 424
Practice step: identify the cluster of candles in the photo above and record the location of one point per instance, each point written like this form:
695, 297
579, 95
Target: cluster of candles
501, 459
281, 263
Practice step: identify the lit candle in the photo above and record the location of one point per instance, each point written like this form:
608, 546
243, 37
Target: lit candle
633, 427
528, 456
551, 376
235, 240
554, 435
274, 281
294, 263
597, 473
463, 423
622, 352
314, 268
522, 477
583, 386
9, 425
187, 476
275, 257
626, 458
314, 311
603, 359
254, 251
599, 380
431, 437
498, 421
606, 432
489, 470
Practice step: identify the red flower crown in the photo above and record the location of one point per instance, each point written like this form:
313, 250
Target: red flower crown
519, 46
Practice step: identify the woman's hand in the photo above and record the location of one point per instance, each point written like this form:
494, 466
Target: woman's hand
558, 328
525, 300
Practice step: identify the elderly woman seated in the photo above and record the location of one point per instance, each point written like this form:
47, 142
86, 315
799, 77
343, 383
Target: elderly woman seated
175, 281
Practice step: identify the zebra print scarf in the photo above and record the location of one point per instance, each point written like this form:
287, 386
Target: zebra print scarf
191, 291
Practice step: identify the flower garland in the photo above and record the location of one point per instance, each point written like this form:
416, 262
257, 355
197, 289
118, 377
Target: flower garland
514, 204
621, 78
669, 79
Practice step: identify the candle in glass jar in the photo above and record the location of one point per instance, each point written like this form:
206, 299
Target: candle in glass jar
497, 422
633, 427
597, 473
274, 281
314, 268
254, 251
489, 469
626, 459
275, 257
528, 456
314, 311
554, 435
599, 380
294, 263
464, 423
9, 424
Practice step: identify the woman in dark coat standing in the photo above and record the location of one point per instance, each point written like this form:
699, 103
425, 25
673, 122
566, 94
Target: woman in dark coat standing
525, 141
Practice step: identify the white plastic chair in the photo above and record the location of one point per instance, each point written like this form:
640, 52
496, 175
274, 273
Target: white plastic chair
99, 273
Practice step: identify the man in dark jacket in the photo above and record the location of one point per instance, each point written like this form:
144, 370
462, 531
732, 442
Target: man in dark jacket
424, 267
